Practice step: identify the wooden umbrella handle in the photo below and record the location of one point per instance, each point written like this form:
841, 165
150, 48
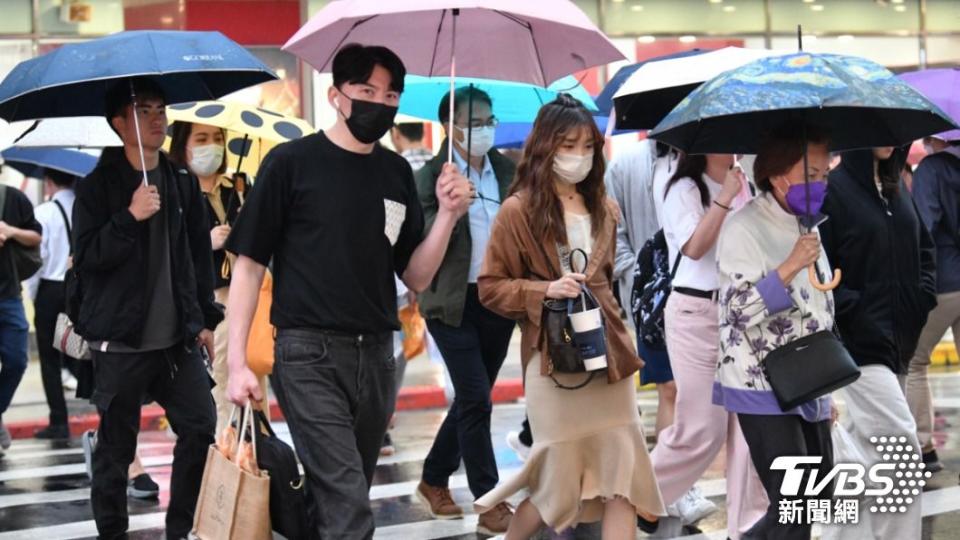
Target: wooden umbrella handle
828, 286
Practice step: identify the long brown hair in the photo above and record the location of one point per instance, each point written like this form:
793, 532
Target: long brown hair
555, 121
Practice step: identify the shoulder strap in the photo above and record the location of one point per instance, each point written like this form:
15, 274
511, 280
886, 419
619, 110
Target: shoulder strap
676, 265
3, 201
66, 223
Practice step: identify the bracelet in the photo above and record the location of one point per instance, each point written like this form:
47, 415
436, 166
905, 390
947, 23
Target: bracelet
725, 207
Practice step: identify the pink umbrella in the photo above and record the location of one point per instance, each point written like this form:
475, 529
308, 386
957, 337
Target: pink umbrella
530, 41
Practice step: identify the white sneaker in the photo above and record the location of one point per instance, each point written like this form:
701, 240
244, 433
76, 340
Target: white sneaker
693, 506
68, 381
513, 441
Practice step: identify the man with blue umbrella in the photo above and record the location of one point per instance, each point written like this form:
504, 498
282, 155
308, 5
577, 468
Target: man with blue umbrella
145, 273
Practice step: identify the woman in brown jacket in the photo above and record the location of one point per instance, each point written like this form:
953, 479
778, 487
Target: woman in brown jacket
589, 459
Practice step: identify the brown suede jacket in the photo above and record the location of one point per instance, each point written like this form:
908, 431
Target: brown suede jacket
518, 267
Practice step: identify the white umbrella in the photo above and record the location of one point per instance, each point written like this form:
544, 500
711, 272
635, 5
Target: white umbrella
74, 132
652, 91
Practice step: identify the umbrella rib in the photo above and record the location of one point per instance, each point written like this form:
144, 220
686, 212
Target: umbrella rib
536, 48
346, 34
436, 42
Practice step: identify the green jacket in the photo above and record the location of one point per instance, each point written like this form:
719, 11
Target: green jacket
445, 298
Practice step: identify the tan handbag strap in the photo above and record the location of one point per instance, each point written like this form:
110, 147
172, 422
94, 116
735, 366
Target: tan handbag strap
247, 421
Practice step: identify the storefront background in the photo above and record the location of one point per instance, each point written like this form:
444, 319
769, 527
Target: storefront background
901, 34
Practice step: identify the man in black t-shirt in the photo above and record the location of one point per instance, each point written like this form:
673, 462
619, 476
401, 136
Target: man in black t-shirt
18, 228
340, 217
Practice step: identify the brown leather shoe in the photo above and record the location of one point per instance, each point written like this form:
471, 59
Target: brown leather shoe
496, 520
438, 501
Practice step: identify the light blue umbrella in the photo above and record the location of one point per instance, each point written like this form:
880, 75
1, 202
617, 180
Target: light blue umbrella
27, 160
73, 79
512, 102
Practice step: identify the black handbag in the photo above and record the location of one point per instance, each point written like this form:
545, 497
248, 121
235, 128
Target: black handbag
564, 352
288, 502
26, 260
809, 367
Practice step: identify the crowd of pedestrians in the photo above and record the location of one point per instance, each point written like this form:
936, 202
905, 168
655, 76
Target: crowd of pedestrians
164, 256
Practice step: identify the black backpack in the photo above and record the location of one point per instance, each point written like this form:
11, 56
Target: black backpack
652, 279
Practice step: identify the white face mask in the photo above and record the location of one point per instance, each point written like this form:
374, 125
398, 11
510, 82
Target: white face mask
481, 139
572, 168
206, 159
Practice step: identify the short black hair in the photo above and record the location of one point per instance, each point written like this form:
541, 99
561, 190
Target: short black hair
354, 64
60, 178
118, 96
461, 96
413, 131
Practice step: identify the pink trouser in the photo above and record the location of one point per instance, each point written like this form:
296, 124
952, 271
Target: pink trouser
686, 449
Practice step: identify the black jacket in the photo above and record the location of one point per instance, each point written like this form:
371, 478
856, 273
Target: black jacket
231, 203
887, 259
111, 253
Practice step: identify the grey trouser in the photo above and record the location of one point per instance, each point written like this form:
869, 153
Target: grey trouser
337, 393
945, 315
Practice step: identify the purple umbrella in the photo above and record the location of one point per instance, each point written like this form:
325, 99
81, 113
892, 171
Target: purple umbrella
535, 42
942, 87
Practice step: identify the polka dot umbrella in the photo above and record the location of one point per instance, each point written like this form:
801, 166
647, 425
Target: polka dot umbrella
251, 131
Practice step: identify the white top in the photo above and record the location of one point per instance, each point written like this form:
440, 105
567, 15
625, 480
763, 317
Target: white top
663, 169
54, 242
758, 312
579, 234
681, 213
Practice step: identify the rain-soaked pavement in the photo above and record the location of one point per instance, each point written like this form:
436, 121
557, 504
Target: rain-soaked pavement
44, 490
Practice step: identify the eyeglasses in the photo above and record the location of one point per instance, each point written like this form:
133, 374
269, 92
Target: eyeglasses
492, 122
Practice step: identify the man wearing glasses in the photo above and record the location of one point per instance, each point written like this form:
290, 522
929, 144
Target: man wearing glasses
472, 339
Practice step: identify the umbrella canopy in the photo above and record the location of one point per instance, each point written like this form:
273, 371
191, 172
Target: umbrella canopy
656, 87
512, 102
251, 131
73, 79
861, 104
604, 100
76, 132
532, 42
28, 160
941, 86
514, 134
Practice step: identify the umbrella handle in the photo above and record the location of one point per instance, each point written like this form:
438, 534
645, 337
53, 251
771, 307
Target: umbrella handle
828, 286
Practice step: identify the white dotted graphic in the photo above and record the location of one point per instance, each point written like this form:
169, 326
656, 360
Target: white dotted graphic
910, 473
394, 214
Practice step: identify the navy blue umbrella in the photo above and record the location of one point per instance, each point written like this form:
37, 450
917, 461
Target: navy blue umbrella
73, 79
604, 100
30, 161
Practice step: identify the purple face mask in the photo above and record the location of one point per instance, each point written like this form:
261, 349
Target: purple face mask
797, 198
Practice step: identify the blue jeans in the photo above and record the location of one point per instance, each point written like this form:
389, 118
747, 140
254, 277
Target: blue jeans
13, 348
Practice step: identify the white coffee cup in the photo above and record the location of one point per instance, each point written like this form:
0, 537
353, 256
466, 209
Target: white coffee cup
586, 321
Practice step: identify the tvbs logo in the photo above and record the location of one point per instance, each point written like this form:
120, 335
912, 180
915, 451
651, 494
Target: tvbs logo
895, 481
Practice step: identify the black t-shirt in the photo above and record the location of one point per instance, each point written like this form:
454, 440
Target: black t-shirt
17, 212
338, 225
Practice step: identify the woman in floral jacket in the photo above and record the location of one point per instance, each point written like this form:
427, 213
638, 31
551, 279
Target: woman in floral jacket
766, 301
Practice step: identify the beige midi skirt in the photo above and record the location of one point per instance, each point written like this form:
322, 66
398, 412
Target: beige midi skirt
588, 446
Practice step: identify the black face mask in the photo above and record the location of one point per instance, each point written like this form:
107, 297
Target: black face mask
369, 121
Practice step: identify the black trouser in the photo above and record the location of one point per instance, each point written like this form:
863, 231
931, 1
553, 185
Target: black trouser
772, 436
179, 382
49, 303
473, 353
337, 393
